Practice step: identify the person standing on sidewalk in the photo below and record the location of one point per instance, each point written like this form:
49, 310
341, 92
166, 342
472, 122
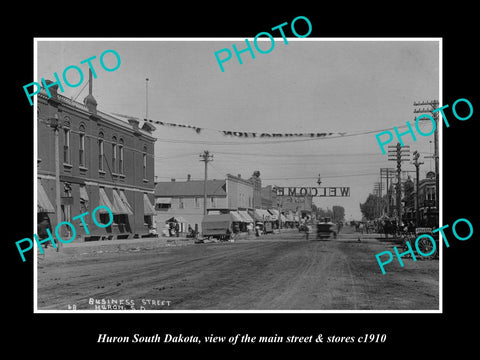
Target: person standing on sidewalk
307, 231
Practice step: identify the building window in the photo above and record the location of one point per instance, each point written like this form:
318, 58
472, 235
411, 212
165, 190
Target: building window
197, 202
430, 194
162, 206
114, 154
144, 162
120, 157
100, 152
81, 148
66, 146
212, 202
105, 218
180, 203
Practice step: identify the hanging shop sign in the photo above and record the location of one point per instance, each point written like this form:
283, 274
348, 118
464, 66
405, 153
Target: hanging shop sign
313, 191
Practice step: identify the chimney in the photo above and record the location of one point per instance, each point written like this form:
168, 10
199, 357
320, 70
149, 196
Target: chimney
134, 123
239, 176
189, 177
89, 100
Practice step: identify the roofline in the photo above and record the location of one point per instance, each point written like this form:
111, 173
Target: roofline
104, 117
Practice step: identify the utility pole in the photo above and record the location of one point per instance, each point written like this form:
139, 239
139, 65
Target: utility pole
417, 164
206, 157
399, 154
387, 174
377, 191
433, 105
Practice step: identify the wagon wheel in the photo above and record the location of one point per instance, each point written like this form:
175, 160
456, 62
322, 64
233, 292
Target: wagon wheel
426, 247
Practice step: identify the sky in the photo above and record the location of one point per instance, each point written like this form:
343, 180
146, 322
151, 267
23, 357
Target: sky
308, 85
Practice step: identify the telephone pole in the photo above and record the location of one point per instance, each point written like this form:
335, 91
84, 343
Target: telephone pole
387, 173
399, 154
433, 105
417, 164
206, 157
377, 191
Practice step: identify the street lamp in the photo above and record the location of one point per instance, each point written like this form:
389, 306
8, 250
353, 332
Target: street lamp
417, 164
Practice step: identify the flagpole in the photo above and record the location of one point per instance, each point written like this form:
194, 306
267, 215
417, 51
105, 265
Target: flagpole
146, 98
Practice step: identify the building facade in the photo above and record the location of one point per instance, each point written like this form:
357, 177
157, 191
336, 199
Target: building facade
184, 199
102, 160
427, 211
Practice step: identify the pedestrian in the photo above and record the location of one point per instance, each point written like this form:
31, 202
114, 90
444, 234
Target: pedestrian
42, 227
307, 231
177, 229
257, 230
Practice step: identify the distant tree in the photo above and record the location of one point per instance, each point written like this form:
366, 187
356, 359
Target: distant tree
370, 206
324, 213
338, 213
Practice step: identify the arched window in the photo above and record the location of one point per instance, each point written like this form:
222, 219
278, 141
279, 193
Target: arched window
114, 154
145, 162
66, 142
100, 151
81, 147
120, 156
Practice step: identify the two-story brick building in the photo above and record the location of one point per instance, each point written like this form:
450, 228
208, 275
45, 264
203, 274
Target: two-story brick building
103, 160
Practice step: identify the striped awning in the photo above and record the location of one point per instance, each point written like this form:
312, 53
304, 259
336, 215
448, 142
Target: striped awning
43, 202
148, 208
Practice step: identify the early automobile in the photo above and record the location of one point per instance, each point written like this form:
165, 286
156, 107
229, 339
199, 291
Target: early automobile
326, 229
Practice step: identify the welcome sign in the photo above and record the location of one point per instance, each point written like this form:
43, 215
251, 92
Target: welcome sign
313, 191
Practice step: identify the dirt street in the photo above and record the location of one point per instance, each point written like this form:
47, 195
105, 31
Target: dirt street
276, 272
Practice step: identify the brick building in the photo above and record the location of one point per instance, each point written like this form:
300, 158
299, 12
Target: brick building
103, 160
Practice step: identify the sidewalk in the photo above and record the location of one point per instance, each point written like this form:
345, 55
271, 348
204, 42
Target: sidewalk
75, 248
104, 246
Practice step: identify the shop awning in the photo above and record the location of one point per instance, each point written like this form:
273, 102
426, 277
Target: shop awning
43, 202
148, 208
124, 199
83, 193
262, 215
165, 200
273, 214
104, 201
236, 216
246, 217
119, 205
179, 219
